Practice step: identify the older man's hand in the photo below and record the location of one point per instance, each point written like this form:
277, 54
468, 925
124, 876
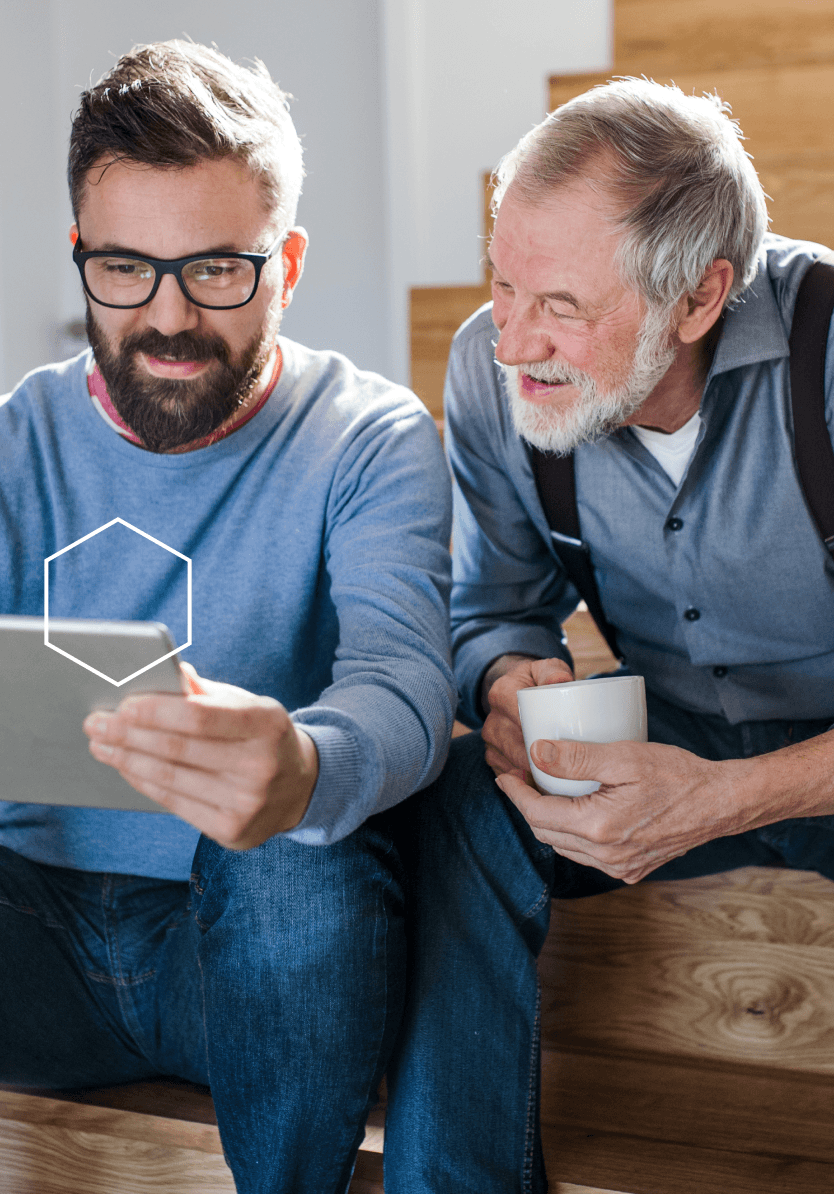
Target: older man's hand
502, 728
655, 803
232, 764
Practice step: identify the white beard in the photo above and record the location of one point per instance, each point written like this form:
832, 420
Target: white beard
596, 412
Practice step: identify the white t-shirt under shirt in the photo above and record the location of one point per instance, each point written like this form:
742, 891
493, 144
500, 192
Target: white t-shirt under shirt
673, 452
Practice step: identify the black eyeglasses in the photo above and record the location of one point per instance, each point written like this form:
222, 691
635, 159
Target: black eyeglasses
221, 282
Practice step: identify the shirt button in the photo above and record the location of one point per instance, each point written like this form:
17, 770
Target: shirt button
674, 524
719, 672
692, 615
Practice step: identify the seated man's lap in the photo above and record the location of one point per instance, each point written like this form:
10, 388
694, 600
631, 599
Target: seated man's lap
308, 939
80, 990
104, 975
482, 821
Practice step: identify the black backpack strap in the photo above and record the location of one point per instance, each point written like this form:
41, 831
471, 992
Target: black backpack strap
812, 439
556, 484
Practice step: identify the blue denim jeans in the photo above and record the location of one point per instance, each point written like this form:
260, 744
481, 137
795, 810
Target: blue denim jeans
276, 977
463, 1112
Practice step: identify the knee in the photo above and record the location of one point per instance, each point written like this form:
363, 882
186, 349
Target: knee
283, 891
464, 803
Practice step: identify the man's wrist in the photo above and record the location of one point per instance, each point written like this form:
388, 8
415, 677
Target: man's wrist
796, 781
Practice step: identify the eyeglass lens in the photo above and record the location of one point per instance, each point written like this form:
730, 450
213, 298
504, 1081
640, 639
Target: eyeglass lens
213, 281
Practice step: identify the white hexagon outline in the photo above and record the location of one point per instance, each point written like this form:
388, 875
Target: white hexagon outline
47, 561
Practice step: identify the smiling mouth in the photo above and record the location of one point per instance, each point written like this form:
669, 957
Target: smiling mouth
168, 367
535, 390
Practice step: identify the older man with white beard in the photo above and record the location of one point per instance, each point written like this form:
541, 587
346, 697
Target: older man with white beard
642, 321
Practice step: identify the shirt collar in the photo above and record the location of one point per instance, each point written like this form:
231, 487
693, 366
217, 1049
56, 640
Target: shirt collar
753, 329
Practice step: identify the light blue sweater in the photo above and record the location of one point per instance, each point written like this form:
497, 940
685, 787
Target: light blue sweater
318, 533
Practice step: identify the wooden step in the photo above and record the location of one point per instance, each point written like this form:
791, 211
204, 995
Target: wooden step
436, 314
654, 1125
664, 37
158, 1136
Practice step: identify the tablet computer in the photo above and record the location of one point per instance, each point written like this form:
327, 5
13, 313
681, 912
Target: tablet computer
47, 691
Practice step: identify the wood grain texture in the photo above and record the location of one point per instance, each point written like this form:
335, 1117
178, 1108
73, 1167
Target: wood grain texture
570, 1188
737, 967
735, 1108
436, 314
659, 37
101, 1120
62, 1145
42, 1158
641, 1165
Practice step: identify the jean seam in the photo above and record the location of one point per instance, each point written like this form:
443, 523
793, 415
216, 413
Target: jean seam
119, 980
205, 1022
540, 903
25, 910
389, 852
532, 1102
120, 983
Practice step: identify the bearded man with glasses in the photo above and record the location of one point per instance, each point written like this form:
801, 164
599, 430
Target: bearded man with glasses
313, 499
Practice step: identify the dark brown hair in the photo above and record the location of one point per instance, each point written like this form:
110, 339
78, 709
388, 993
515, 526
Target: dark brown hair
176, 103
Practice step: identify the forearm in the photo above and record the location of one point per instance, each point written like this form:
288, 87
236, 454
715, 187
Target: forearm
796, 781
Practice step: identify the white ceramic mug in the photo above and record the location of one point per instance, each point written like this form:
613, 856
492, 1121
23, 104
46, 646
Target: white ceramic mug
610, 709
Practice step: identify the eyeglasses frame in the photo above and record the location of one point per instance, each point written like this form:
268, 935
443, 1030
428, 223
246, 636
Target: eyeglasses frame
175, 266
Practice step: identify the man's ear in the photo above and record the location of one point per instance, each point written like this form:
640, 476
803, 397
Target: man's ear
292, 255
703, 308
73, 234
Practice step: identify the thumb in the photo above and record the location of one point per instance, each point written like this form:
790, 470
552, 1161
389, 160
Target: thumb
569, 760
195, 683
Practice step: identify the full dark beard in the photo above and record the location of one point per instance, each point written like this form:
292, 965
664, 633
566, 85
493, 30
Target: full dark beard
167, 413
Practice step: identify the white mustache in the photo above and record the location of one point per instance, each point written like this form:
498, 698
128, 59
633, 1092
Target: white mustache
552, 373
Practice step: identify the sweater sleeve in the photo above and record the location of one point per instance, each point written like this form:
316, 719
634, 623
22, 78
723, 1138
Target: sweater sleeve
382, 727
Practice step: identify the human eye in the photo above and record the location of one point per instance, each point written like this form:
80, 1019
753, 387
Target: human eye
218, 271
563, 311
123, 268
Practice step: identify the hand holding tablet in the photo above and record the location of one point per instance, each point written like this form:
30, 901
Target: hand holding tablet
45, 697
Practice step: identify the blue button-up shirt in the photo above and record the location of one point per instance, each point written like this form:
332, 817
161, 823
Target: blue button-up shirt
747, 555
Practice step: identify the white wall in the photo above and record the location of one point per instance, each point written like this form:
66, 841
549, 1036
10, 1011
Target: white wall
402, 104
465, 79
30, 192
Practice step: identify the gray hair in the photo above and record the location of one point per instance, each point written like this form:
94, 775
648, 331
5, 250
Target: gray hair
684, 189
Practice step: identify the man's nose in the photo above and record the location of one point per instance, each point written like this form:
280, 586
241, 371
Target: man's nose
521, 338
170, 311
